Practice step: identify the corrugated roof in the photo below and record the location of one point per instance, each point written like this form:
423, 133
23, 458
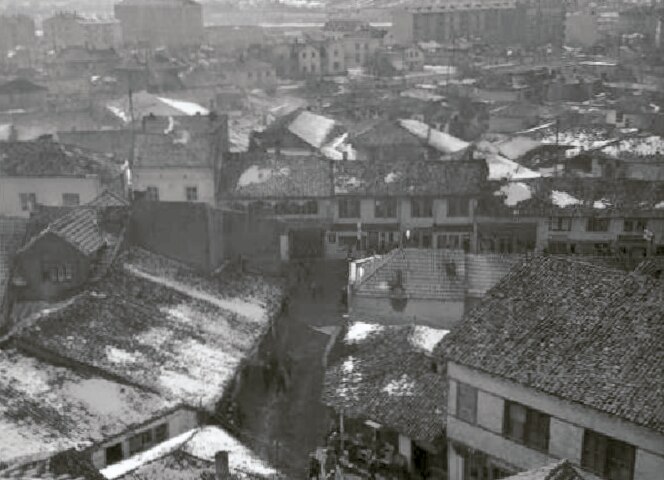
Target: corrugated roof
580, 332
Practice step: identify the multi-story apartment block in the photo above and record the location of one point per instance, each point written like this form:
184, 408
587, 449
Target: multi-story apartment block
69, 29
161, 22
561, 360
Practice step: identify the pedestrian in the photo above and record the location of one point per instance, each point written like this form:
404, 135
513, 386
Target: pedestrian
314, 467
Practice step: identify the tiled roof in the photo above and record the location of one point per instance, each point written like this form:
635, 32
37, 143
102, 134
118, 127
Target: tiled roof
431, 274
407, 178
45, 408
108, 199
20, 86
384, 133
161, 150
158, 324
562, 470
48, 158
383, 376
574, 330
283, 177
80, 228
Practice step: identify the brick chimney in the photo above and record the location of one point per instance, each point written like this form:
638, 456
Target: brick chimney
222, 470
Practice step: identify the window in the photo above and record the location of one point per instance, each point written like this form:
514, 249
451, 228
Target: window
152, 194
71, 199
421, 208
560, 224
385, 208
28, 201
635, 225
192, 194
140, 442
349, 208
607, 457
331, 237
557, 248
526, 426
467, 403
57, 272
597, 225
113, 454
458, 207
161, 433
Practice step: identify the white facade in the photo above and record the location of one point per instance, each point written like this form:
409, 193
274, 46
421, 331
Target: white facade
49, 191
172, 184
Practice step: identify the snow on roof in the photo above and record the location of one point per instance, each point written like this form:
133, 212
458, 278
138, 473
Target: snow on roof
563, 199
601, 204
311, 128
422, 94
637, 146
402, 387
144, 103
501, 168
515, 192
441, 141
187, 108
255, 174
359, 331
516, 147
427, 338
44, 408
337, 147
391, 177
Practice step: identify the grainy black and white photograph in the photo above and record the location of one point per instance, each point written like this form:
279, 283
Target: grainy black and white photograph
331, 239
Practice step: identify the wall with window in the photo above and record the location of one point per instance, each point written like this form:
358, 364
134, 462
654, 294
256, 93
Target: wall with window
52, 269
176, 184
526, 429
144, 437
454, 210
46, 190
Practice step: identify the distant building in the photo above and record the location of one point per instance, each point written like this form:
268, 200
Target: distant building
22, 94
69, 29
233, 37
161, 22
519, 392
16, 30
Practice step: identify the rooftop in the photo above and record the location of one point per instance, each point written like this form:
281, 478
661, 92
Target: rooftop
44, 408
562, 470
552, 320
44, 158
283, 177
431, 274
409, 177
20, 86
190, 456
384, 375
80, 228
144, 103
158, 324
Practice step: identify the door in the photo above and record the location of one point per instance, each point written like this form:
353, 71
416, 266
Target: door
306, 243
114, 454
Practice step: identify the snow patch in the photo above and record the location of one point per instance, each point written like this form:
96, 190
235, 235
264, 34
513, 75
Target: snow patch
515, 193
117, 355
427, 338
563, 199
402, 387
441, 141
601, 204
391, 177
187, 108
254, 175
360, 331
659, 205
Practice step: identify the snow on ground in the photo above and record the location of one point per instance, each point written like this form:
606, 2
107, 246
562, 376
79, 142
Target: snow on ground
441, 141
563, 199
515, 192
427, 338
187, 108
402, 387
359, 331
252, 311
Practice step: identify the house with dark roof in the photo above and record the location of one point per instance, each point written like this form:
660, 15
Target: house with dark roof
61, 258
178, 158
562, 359
389, 399
12, 235
49, 173
22, 94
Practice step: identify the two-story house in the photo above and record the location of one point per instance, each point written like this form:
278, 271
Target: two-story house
404, 202
561, 360
49, 173
178, 158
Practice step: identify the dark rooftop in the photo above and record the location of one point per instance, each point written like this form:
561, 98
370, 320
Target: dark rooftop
20, 85
553, 320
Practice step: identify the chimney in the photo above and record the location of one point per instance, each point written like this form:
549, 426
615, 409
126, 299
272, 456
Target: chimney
222, 471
